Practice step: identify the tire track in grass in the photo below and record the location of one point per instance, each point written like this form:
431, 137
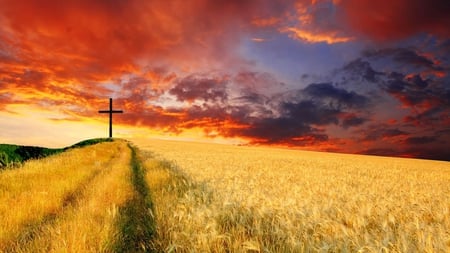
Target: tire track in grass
136, 221
38, 189
90, 225
32, 230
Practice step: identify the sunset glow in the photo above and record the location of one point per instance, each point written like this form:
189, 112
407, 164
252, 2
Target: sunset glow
352, 76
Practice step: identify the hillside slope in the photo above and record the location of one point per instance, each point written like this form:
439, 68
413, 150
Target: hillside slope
11, 154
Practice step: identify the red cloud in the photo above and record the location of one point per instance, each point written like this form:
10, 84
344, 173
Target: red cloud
387, 20
70, 53
96, 39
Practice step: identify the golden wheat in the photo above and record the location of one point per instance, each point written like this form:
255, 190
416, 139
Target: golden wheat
217, 198
33, 198
89, 225
223, 198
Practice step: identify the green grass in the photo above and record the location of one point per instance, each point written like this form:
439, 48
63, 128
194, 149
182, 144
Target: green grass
89, 142
136, 221
15, 154
11, 154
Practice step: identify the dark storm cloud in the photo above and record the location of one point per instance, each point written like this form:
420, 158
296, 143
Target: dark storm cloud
252, 97
295, 120
422, 152
341, 97
274, 130
300, 113
154, 117
214, 112
310, 112
302, 117
292, 118
392, 132
394, 86
417, 81
397, 82
353, 121
409, 90
420, 140
207, 89
281, 130
403, 55
428, 152
362, 68
377, 132
254, 80
433, 115
137, 92
413, 78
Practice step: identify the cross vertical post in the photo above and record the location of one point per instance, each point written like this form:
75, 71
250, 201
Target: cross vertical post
110, 111
110, 117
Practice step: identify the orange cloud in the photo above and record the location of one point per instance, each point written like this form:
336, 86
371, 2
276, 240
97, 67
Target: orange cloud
258, 39
317, 22
312, 37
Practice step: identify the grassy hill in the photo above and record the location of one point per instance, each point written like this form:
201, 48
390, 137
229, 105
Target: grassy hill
11, 154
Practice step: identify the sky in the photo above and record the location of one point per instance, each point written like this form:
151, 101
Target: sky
351, 76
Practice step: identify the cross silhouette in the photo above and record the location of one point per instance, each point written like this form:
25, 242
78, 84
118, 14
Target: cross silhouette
110, 111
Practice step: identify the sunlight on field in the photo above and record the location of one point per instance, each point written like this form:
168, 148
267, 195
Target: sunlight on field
221, 198
195, 197
66, 202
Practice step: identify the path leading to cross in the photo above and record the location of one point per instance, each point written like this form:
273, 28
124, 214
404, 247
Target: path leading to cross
110, 111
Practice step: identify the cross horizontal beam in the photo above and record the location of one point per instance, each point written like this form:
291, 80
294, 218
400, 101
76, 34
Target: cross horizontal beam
108, 111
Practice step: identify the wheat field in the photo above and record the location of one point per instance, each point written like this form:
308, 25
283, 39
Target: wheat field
166, 196
218, 198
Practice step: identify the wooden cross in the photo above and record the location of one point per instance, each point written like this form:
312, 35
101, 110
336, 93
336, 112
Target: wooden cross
110, 111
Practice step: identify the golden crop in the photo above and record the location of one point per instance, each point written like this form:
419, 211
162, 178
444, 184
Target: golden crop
218, 198
65, 203
194, 197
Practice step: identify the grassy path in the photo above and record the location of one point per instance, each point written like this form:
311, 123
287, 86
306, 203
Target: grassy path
136, 221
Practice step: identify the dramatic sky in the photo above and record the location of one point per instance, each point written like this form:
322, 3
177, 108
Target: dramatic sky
354, 76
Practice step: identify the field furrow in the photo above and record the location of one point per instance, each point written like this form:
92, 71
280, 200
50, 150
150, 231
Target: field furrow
135, 222
34, 196
89, 224
32, 230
